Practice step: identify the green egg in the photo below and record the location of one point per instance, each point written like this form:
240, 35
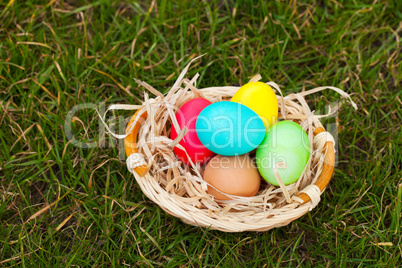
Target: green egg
286, 147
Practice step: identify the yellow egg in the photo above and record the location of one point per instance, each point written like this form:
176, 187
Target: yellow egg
260, 98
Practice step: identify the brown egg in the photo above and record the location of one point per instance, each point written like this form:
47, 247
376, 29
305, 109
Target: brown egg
235, 175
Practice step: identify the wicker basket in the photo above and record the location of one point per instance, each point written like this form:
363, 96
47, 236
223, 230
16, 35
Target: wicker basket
180, 190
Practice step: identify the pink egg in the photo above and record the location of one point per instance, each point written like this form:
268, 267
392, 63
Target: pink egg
186, 117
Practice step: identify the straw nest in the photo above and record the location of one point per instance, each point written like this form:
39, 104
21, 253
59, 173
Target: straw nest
180, 190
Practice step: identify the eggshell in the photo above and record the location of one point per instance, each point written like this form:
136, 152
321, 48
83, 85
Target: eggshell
186, 117
260, 98
286, 147
235, 175
229, 128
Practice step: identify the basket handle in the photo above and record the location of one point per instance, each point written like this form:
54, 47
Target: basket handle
327, 169
130, 142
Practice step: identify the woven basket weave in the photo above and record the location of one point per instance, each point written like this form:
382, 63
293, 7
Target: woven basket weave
180, 190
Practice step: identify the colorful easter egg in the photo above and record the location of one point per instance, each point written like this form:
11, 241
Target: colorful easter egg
234, 175
286, 146
260, 98
186, 116
229, 128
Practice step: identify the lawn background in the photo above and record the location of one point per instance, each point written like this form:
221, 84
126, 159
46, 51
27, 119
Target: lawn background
57, 54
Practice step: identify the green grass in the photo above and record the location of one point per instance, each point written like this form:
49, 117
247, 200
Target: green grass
55, 54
